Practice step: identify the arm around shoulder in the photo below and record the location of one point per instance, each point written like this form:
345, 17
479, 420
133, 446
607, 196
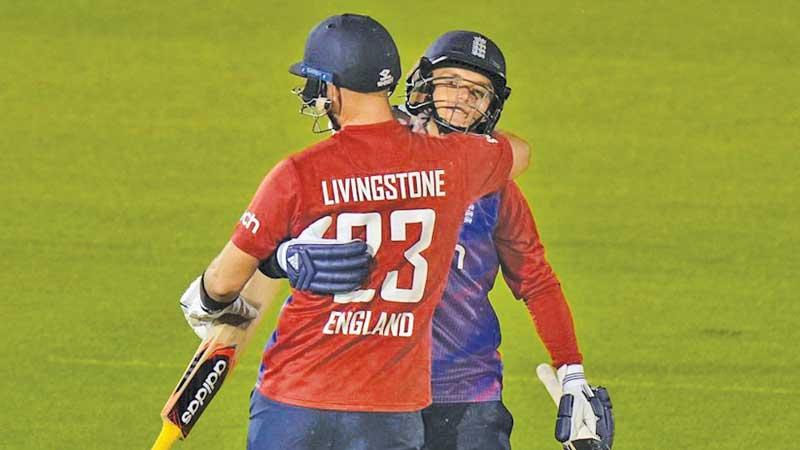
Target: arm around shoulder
521, 151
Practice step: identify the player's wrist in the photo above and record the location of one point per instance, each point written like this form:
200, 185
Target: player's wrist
210, 304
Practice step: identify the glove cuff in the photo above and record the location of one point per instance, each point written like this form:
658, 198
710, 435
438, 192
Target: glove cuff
280, 254
271, 268
571, 375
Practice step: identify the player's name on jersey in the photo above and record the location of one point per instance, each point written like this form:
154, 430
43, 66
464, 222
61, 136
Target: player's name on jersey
390, 186
362, 323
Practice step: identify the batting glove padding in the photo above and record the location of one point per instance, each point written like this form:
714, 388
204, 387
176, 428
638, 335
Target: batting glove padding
605, 423
583, 423
201, 318
324, 266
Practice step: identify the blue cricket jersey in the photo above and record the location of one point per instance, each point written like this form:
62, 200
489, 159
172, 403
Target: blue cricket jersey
466, 364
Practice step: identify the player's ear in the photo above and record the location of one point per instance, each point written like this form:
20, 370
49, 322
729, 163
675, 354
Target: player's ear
332, 91
334, 94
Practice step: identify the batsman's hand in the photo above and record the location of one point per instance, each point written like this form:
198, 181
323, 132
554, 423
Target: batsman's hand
202, 317
584, 420
324, 266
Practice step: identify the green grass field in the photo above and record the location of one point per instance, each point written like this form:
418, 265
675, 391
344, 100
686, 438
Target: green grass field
666, 134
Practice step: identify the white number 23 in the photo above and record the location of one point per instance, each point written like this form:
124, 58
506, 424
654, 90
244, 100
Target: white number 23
398, 226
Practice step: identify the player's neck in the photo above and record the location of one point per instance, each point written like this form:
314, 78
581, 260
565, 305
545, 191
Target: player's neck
365, 112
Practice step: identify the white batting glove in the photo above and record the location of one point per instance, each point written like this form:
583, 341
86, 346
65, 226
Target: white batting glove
201, 318
576, 418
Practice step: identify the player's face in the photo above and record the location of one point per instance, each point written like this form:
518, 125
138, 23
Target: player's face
461, 96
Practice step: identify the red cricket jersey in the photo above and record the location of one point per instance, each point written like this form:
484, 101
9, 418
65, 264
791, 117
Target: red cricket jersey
404, 194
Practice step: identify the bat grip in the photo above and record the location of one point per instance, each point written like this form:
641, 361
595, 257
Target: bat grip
169, 434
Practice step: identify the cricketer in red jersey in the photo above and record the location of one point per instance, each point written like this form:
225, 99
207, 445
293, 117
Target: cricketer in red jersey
402, 193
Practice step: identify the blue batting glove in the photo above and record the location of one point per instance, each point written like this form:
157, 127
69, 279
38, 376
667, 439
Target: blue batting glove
318, 265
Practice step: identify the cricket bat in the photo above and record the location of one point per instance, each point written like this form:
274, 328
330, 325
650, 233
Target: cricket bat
548, 378
211, 365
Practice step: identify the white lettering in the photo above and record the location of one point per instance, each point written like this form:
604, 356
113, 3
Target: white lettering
401, 178
414, 185
392, 326
391, 190
406, 325
357, 323
326, 200
439, 182
328, 328
364, 193
344, 189
249, 219
205, 391
380, 325
377, 187
428, 181
390, 186
360, 323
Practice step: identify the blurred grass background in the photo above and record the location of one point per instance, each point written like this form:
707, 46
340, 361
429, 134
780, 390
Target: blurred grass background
132, 135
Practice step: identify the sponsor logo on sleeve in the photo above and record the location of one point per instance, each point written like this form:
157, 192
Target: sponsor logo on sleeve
250, 222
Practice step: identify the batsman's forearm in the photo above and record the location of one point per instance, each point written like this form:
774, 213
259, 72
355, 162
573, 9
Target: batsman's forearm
227, 274
262, 291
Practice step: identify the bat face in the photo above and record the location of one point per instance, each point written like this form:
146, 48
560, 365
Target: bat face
200, 383
214, 360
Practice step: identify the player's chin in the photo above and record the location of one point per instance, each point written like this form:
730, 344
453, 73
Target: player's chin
456, 117
462, 124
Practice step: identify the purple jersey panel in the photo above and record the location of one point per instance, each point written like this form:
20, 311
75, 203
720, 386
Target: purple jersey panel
466, 365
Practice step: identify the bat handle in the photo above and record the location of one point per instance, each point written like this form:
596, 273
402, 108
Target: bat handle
169, 434
550, 381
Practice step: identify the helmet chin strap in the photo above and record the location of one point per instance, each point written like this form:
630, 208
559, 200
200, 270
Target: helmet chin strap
332, 116
334, 122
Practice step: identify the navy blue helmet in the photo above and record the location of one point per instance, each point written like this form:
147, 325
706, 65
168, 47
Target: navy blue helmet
353, 52
464, 49
349, 51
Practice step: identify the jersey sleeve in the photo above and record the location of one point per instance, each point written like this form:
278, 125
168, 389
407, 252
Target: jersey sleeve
269, 217
521, 252
553, 321
531, 278
488, 161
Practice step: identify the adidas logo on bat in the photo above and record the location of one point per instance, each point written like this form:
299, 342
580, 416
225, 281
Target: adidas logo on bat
205, 391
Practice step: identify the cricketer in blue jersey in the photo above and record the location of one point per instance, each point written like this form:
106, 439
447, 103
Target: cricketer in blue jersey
460, 86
